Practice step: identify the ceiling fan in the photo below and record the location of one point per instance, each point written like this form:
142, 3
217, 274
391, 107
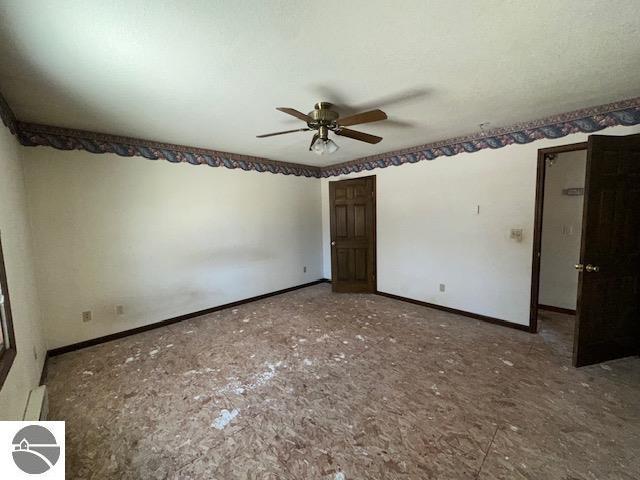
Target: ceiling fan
323, 119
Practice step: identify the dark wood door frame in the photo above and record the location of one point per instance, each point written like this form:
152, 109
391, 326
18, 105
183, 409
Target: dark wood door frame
374, 288
537, 226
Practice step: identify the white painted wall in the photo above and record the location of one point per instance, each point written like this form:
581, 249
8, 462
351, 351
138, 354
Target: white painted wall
429, 233
561, 231
165, 239
16, 239
161, 239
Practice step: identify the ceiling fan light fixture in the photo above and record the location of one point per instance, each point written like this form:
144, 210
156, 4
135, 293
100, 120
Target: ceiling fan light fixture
324, 147
323, 119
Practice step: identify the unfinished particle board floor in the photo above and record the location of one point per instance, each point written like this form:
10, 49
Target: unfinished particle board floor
304, 384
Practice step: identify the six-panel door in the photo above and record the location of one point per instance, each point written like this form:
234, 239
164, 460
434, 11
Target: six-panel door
353, 252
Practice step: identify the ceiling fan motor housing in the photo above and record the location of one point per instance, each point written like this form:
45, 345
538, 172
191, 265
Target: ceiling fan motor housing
323, 115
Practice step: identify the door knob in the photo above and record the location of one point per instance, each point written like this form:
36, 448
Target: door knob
579, 267
592, 268
333, 244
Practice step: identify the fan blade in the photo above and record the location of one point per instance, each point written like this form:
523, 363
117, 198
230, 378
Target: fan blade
364, 117
313, 140
282, 133
363, 137
342, 104
296, 113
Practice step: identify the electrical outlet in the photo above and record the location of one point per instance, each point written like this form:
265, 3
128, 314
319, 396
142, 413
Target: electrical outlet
86, 316
119, 309
304, 269
442, 287
516, 234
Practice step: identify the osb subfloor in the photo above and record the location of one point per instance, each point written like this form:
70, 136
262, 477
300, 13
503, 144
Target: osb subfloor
304, 384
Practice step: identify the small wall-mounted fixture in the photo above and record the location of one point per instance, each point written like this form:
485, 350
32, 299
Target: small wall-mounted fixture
483, 128
550, 158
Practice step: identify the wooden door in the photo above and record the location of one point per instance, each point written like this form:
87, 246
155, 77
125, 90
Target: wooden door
608, 314
353, 235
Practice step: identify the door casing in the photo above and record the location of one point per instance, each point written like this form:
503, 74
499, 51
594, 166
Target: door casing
537, 226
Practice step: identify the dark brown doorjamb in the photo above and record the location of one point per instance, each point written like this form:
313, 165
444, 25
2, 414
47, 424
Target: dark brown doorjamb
537, 226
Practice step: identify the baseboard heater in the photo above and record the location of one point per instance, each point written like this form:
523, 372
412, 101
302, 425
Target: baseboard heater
37, 405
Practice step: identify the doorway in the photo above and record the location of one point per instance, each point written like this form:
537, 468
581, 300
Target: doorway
608, 268
564, 172
353, 235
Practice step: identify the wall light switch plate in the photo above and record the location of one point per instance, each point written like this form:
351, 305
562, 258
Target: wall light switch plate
442, 287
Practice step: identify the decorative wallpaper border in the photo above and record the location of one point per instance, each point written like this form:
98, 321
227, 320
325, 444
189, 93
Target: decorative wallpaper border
7, 116
587, 120
32, 135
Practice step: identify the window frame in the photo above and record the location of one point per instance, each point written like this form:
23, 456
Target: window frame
7, 355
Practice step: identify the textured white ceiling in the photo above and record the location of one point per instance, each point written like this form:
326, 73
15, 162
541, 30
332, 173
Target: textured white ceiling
210, 73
